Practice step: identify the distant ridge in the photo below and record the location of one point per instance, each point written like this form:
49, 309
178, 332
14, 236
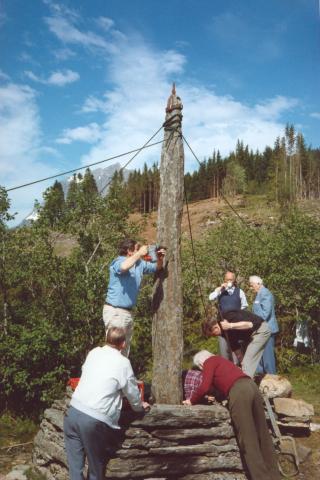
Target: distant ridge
102, 177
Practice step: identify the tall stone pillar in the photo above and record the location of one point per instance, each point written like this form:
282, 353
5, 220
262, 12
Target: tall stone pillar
167, 334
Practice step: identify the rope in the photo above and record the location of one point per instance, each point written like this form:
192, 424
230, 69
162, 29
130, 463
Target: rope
138, 150
194, 255
135, 155
225, 199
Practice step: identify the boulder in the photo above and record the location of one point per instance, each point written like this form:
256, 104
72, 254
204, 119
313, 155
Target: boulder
19, 472
275, 386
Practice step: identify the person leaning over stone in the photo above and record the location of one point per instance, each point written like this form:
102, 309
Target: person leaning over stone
126, 272
191, 380
245, 405
244, 331
91, 422
229, 297
263, 306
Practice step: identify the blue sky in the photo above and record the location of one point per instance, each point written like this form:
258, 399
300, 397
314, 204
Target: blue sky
83, 80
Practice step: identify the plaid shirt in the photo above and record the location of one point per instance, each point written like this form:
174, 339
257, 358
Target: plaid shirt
192, 381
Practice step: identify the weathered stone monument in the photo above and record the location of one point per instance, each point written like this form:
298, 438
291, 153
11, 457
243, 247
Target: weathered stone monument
167, 331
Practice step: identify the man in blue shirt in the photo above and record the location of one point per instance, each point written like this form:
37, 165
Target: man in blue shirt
263, 306
126, 273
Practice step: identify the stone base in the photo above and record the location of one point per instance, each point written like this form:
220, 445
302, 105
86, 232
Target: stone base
171, 442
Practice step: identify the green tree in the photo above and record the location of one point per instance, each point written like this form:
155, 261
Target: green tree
53, 208
235, 180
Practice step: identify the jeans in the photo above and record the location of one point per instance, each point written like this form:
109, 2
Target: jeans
85, 436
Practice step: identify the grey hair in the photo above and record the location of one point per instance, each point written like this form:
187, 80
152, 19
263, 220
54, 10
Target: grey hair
201, 357
256, 279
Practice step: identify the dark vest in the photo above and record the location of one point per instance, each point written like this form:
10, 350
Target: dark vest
230, 302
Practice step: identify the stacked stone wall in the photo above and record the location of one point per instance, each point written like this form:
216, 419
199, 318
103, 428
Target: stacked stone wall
171, 442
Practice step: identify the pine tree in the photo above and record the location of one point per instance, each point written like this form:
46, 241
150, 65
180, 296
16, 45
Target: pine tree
88, 186
53, 209
73, 193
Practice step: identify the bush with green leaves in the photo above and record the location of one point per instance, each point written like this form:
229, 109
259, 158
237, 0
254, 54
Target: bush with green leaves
51, 306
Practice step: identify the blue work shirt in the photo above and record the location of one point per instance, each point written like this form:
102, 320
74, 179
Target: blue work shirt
124, 287
263, 306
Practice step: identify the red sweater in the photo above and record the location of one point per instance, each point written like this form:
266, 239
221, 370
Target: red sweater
219, 373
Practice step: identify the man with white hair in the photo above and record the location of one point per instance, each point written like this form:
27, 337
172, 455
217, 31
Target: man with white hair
246, 410
263, 306
91, 422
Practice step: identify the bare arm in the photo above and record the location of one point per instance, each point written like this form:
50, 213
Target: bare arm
130, 261
236, 326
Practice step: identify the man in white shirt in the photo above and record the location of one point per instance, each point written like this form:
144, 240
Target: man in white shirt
230, 297
91, 421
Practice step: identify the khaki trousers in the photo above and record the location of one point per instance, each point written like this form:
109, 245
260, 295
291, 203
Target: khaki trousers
249, 421
121, 318
255, 349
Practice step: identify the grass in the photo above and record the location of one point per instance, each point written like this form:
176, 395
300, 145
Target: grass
16, 430
306, 385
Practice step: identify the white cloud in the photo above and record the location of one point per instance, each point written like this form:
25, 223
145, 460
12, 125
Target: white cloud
90, 133
58, 79
64, 53
135, 108
63, 78
131, 110
3, 76
315, 114
105, 23
20, 146
93, 104
67, 32
274, 107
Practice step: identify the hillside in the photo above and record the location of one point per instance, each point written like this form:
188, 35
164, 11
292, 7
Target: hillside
255, 210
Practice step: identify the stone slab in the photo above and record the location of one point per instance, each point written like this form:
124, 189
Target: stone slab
186, 433
293, 408
168, 465
179, 416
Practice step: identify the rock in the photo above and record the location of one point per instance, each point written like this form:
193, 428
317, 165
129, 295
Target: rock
18, 473
314, 427
275, 386
179, 416
293, 408
215, 476
169, 442
303, 452
181, 433
207, 449
55, 417
168, 464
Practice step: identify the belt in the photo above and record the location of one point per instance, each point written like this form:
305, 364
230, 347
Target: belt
115, 306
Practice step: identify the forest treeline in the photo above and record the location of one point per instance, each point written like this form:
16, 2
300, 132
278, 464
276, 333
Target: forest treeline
288, 172
51, 302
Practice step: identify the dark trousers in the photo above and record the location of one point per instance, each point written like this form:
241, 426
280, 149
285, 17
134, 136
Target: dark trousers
255, 443
85, 436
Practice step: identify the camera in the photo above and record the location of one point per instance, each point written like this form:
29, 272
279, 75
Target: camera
153, 252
